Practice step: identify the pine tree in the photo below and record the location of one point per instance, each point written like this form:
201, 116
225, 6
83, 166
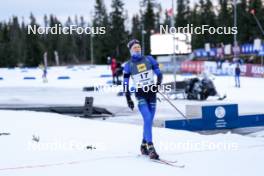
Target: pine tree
158, 17
167, 20
84, 41
209, 18
119, 36
257, 8
4, 46
244, 22
53, 39
149, 23
182, 13
136, 28
69, 47
15, 42
102, 45
225, 19
34, 48
194, 19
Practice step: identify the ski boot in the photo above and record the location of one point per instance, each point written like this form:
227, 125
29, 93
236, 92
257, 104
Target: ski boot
144, 148
152, 152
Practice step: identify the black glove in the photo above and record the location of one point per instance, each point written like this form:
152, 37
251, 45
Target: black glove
157, 87
130, 103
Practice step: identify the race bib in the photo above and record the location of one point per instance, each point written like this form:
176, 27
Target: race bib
143, 79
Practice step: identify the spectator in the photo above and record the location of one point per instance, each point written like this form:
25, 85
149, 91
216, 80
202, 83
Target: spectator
237, 76
118, 73
113, 69
220, 55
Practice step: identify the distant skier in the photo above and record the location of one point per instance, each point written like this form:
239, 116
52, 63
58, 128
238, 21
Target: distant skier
44, 73
237, 75
142, 69
118, 73
113, 69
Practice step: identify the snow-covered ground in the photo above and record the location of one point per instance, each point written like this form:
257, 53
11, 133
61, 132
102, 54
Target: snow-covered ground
113, 147
15, 90
62, 149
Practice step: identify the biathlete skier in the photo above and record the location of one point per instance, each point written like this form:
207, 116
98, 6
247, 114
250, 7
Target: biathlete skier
142, 70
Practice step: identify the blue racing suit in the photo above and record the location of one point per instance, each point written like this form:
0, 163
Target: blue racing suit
142, 70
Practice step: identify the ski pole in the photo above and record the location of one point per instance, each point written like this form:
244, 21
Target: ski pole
173, 105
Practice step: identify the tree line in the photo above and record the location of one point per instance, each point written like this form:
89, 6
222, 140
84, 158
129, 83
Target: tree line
19, 48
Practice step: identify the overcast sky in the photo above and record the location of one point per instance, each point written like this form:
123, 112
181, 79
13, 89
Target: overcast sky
61, 8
